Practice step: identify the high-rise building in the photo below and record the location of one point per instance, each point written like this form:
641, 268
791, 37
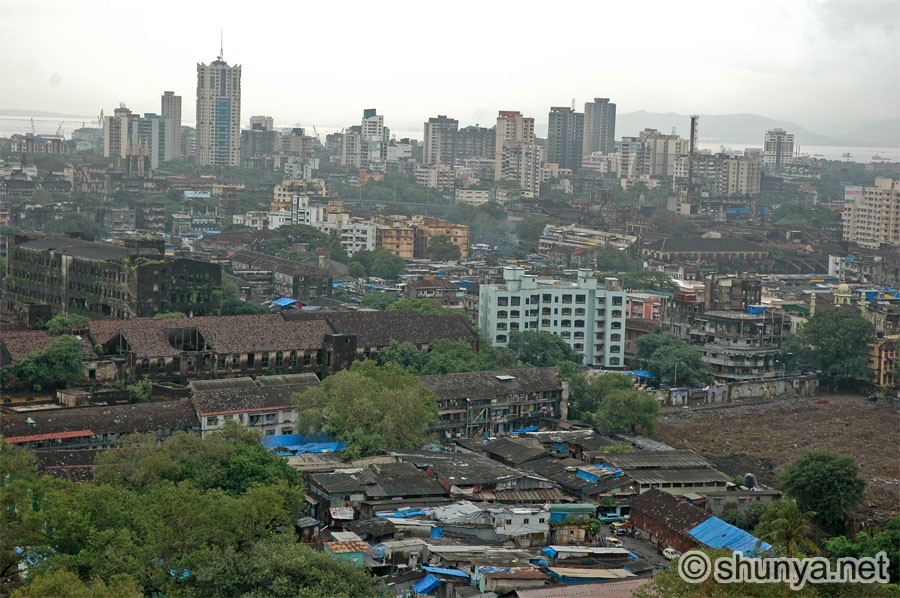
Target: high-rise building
154, 132
511, 127
171, 108
475, 142
116, 132
262, 123
778, 149
373, 139
599, 126
218, 114
874, 218
589, 317
565, 138
440, 140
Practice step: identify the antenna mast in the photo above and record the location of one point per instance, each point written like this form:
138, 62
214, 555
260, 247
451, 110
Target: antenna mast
221, 44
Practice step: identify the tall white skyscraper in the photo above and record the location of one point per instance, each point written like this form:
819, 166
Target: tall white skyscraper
778, 149
218, 114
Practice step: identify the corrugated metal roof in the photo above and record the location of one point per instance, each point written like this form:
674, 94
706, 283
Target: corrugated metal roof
716, 533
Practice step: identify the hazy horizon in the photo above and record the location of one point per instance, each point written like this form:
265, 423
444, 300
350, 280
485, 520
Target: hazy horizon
805, 62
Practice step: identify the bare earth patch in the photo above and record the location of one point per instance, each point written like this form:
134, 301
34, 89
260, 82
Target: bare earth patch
763, 439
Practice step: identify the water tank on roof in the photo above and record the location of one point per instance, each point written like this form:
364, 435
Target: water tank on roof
750, 481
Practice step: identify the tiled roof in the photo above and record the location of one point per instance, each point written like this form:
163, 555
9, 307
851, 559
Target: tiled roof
381, 481
224, 334
459, 469
379, 328
245, 394
116, 419
262, 261
487, 385
515, 450
669, 510
19, 343
346, 547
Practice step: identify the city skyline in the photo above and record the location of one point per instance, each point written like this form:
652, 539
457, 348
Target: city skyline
678, 62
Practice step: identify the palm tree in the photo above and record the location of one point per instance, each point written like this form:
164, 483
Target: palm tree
786, 527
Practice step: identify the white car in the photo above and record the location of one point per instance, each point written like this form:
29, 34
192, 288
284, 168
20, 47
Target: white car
671, 554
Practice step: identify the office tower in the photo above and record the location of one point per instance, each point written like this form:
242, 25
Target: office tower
440, 140
565, 138
171, 108
373, 139
218, 114
778, 149
511, 127
874, 218
599, 126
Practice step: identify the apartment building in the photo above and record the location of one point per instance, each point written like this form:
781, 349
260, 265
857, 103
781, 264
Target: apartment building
440, 140
778, 149
874, 219
589, 317
218, 114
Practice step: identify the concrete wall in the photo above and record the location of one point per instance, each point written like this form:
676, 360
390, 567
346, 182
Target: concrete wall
738, 392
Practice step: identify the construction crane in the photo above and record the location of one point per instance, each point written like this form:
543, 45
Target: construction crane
846, 156
59, 130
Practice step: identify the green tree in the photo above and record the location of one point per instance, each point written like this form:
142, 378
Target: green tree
424, 307
834, 343
748, 518
356, 270
169, 315
542, 349
279, 566
670, 223
370, 407
379, 300
67, 323
671, 359
404, 354
54, 584
786, 527
59, 364
869, 543
380, 263
531, 228
826, 484
441, 248
647, 280
141, 391
627, 411
587, 392
75, 223
610, 259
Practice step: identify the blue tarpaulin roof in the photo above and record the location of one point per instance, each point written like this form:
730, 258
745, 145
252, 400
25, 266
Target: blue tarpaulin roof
284, 302
429, 584
549, 551
640, 374
527, 429
295, 444
455, 572
716, 533
402, 513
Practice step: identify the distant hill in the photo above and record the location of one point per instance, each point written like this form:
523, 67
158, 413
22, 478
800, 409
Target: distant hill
730, 128
37, 113
884, 133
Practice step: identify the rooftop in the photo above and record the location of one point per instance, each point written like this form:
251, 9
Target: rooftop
493, 384
233, 395
655, 459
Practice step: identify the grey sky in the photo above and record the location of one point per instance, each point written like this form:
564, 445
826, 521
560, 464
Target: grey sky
823, 64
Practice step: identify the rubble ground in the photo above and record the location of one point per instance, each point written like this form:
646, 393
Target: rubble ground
764, 438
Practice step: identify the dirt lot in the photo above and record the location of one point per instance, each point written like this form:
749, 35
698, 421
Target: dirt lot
763, 439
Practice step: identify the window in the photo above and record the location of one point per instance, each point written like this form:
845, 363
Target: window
220, 362
293, 359
617, 301
212, 421
567, 311
501, 314
526, 520
615, 337
307, 359
509, 522
565, 323
579, 299
501, 338
579, 311
578, 347
579, 323
251, 360
236, 360
546, 298
145, 365
279, 359
502, 301
271, 418
567, 298
514, 313
264, 360
515, 301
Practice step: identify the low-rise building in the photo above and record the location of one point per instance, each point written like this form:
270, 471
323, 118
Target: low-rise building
437, 289
275, 277
484, 404
741, 345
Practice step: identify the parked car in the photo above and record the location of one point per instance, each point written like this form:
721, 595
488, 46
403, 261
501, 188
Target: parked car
618, 529
613, 542
671, 554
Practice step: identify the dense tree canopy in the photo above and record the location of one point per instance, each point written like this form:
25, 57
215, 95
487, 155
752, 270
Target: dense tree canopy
67, 323
666, 222
59, 364
671, 359
424, 307
787, 528
441, 248
379, 300
370, 407
379, 263
870, 543
587, 392
447, 357
826, 484
834, 343
628, 411
531, 228
542, 349
191, 516
615, 261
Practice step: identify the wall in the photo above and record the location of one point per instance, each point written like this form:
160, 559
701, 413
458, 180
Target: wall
737, 392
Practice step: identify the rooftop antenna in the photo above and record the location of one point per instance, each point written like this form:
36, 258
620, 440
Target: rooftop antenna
221, 44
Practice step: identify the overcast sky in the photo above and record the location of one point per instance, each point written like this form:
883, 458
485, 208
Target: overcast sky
823, 64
